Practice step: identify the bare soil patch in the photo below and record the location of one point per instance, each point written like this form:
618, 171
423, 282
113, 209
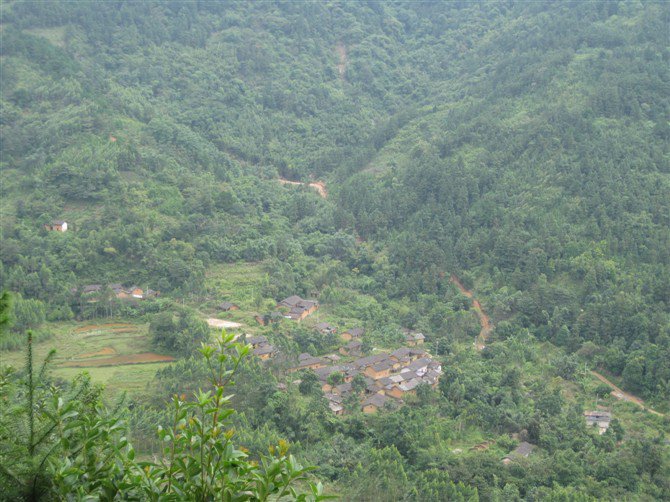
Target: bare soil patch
144, 358
319, 186
220, 323
107, 351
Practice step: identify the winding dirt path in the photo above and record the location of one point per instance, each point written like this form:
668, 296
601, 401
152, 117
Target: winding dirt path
620, 394
320, 186
484, 320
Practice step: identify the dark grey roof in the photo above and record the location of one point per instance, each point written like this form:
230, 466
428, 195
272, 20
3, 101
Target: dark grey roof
378, 400
523, 450
58, 222
226, 305
256, 340
356, 332
92, 288
264, 349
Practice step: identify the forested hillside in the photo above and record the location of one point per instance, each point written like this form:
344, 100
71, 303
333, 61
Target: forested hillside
520, 147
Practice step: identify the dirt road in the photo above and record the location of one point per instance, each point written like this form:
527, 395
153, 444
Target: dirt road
320, 186
620, 394
484, 320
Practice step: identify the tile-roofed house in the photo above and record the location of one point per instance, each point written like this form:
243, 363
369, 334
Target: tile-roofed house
414, 339
227, 306
325, 328
364, 362
353, 348
352, 333
335, 403
256, 341
421, 366
601, 419
523, 450
298, 308
91, 288
407, 353
265, 351
343, 389
374, 403
380, 369
270, 318
309, 362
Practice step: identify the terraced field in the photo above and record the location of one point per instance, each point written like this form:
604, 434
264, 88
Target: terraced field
116, 354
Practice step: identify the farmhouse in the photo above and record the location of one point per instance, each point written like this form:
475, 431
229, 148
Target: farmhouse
374, 403
265, 352
308, 362
601, 419
325, 328
414, 339
256, 341
57, 226
228, 306
298, 308
270, 318
91, 288
352, 333
353, 348
522, 451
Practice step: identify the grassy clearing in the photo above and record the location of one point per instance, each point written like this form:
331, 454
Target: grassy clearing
239, 283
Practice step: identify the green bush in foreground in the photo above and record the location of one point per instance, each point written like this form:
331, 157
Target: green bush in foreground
63, 444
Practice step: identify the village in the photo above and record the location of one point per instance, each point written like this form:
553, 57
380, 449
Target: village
374, 381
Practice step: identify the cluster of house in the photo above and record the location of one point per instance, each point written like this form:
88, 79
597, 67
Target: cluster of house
92, 292
385, 378
261, 347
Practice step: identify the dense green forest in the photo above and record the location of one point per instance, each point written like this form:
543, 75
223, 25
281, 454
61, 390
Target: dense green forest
522, 147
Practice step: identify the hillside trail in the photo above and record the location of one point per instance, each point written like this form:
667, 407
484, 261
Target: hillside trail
620, 394
484, 320
320, 186
341, 50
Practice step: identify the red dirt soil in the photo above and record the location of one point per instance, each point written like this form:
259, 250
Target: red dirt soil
145, 358
107, 351
484, 320
320, 186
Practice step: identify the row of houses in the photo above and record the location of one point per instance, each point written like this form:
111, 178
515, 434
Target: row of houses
92, 292
388, 377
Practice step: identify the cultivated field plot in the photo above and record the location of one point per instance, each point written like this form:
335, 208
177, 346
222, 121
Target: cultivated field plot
116, 354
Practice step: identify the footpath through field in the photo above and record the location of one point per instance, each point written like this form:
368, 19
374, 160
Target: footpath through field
480, 341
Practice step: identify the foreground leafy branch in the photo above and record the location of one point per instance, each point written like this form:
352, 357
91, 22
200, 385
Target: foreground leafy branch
66, 445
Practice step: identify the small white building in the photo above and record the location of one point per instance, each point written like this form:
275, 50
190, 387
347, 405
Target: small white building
57, 226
